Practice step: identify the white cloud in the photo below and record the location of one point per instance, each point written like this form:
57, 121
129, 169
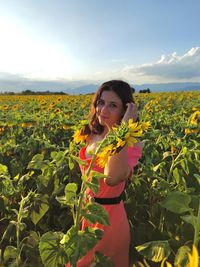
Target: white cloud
17, 83
169, 68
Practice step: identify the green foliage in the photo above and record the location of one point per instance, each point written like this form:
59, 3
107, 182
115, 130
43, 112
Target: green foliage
177, 202
51, 251
102, 261
40, 182
155, 251
94, 213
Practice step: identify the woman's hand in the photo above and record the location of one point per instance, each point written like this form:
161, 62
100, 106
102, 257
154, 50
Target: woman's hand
131, 112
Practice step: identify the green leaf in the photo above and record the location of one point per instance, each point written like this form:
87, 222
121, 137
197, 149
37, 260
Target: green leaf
185, 166
190, 219
87, 239
22, 226
2, 205
3, 169
37, 162
163, 184
84, 177
52, 252
71, 243
102, 260
177, 202
159, 166
70, 193
98, 174
93, 184
70, 235
71, 164
166, 154
58, 157
197, 176
176, 175
155, 251
77, 244
77, 159
44, 178
94, 213
181, 258
90, 236
10, 253
36, 215
185, 150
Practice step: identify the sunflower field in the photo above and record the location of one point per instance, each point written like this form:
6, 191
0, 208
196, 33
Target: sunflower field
39, 170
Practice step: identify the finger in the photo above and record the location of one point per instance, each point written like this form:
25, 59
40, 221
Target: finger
128, 105
131, 106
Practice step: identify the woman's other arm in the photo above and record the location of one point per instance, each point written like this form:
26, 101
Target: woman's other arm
117, 168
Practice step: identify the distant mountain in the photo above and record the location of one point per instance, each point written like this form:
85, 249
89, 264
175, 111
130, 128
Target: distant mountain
161, 87
169, 87
80, 87
84, 89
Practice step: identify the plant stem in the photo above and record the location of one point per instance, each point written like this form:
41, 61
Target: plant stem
83, 186
197, 228
80, 200
173, 164
18, 230
77, 221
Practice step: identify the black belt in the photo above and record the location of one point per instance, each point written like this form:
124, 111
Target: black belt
108, 201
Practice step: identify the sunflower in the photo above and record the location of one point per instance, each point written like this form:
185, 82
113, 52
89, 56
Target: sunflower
193, 258
102, 157
146, 126
134, 129
189, 131
59, 99
118, 137
120, 142
130, 139
79, 137
194, 118
2, 129
57, 110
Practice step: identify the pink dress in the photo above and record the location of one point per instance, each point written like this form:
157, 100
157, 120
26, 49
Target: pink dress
116, 238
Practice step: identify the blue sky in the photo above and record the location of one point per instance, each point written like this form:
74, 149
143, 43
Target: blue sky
84, 41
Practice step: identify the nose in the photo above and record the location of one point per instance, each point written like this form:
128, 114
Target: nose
104, 109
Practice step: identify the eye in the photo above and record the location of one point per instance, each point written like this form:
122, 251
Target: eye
112, 105
100, 102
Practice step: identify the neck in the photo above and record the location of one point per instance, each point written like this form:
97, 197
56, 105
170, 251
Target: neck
105, 131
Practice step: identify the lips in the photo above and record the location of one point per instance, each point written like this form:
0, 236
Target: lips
103, 117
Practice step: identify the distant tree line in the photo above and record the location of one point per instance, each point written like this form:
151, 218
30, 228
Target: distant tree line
29, 92
141, 91
145, 91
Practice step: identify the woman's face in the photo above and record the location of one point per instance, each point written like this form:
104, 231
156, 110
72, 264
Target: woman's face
109, 109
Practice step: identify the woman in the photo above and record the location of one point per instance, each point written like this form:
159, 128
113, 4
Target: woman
112, 104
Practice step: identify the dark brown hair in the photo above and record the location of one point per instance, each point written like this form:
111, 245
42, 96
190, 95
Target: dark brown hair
123, 91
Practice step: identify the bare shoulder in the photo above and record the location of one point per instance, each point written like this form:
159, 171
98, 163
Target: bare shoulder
90, 139
92, 142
